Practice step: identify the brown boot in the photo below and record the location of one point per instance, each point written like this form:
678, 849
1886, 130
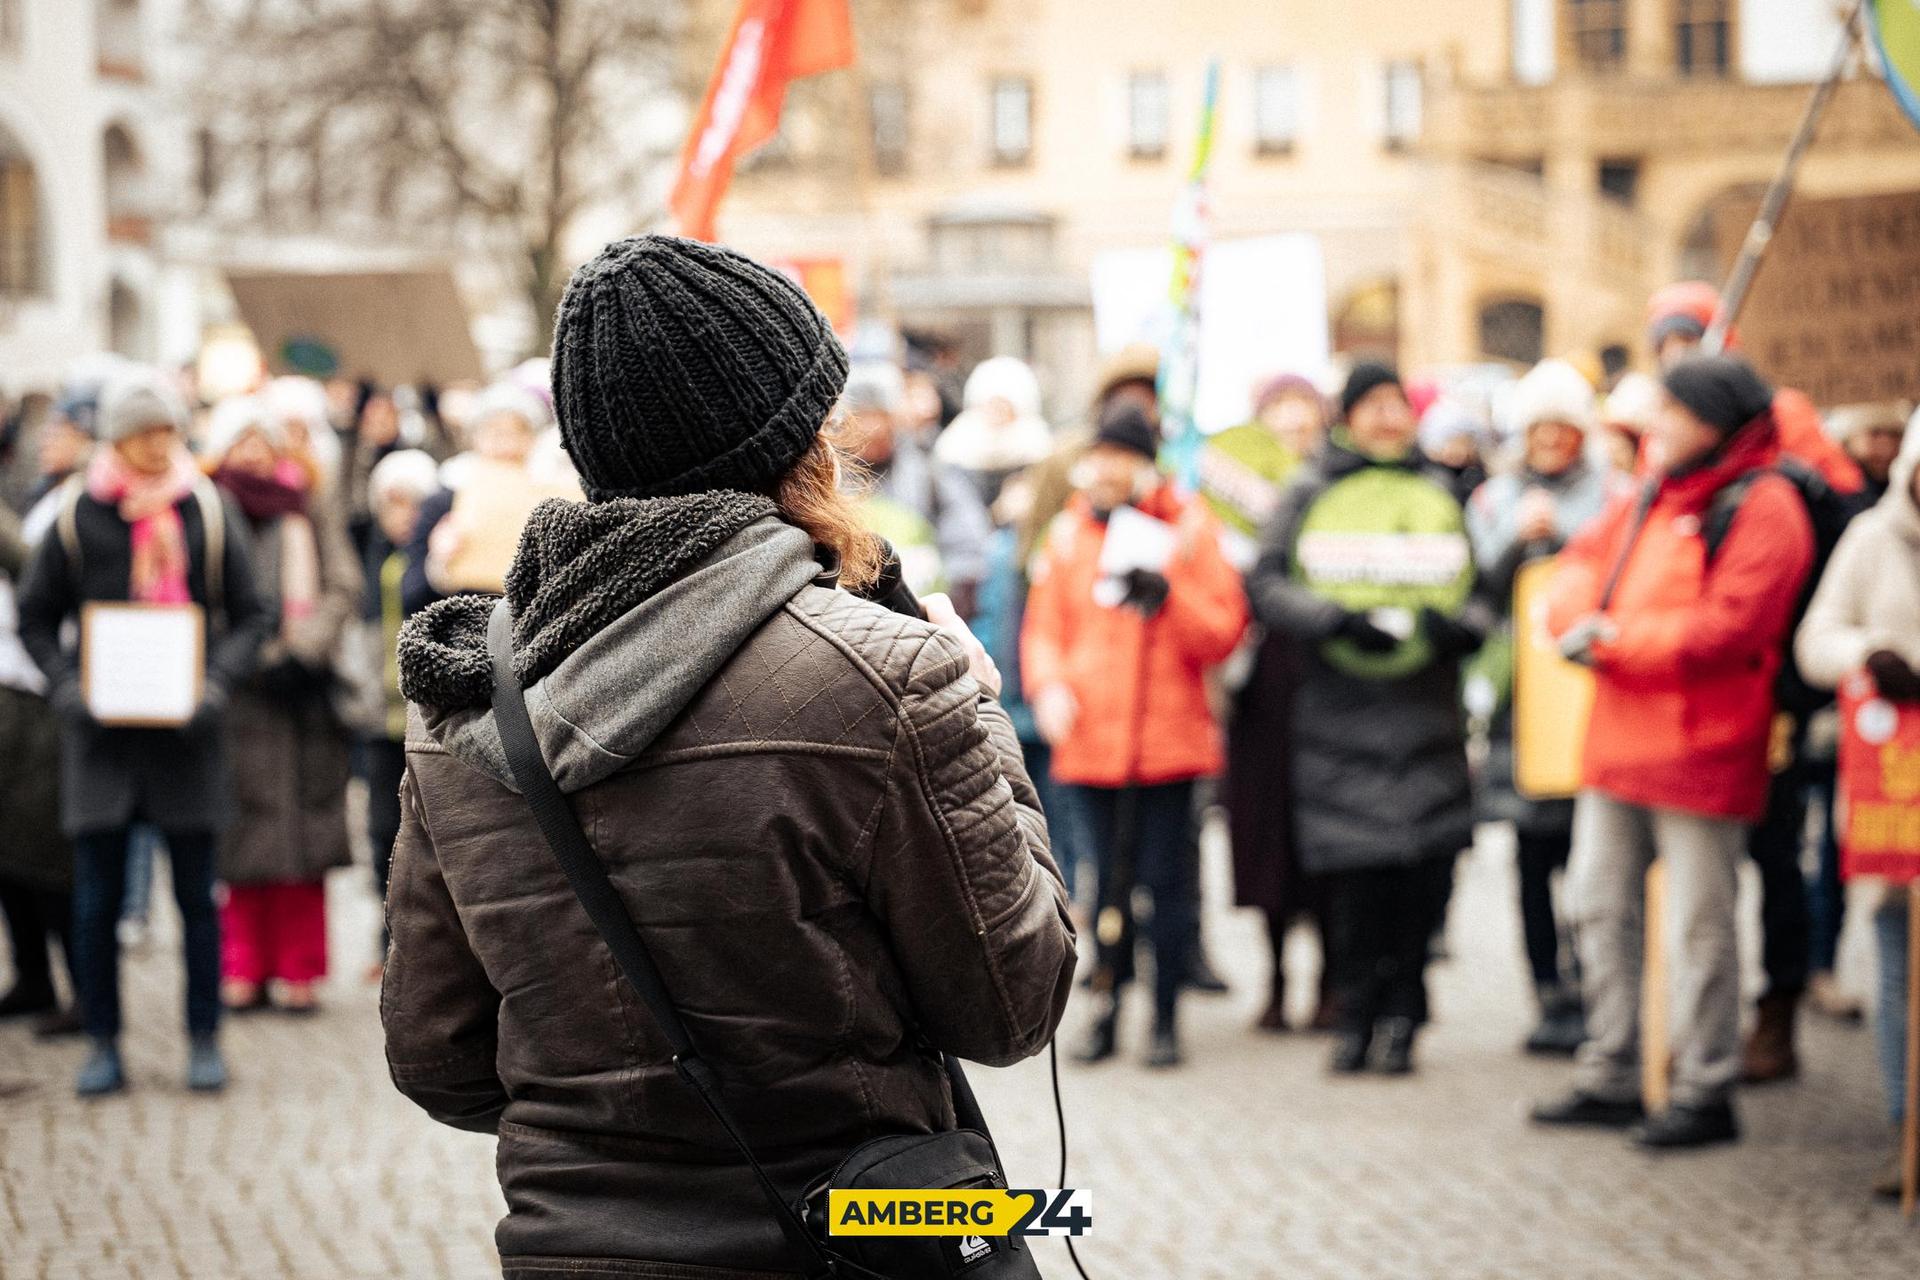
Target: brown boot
1274, 1020
1769, 1053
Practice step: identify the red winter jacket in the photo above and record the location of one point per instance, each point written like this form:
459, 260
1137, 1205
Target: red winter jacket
1149, 731
1683, 705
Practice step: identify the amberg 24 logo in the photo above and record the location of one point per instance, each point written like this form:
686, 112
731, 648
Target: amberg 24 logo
983, 1211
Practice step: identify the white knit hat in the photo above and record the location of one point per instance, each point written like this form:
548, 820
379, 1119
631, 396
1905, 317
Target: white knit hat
409, 471
137, 399
1551, 391
509, 398
1632, 402
876, 385
233, 418
1004, 378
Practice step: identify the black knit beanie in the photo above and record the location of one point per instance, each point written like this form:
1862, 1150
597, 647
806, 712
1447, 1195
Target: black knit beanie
1722, 391
1365, 376
680, 367
1125, 427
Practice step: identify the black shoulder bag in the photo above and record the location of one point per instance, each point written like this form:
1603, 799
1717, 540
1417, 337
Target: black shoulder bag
963, 1158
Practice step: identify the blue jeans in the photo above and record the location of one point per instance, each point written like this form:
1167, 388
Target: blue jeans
1826, 897
1153, 821
144, 844
1890, 1014
1057, 801
99, 889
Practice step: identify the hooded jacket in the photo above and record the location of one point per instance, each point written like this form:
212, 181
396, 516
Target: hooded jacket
820, 826
1379, 761
1683, 702
1869, 597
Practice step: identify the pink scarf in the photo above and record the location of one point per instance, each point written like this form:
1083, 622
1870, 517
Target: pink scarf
147, 503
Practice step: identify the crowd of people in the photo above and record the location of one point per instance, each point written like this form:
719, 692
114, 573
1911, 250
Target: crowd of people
1315, 635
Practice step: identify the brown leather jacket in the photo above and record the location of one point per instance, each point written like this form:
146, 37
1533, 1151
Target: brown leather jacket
822, 828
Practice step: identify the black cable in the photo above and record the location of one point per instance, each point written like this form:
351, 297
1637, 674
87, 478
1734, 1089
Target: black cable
1060, 1115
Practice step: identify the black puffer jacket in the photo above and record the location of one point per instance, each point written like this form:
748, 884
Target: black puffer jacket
819, 824
1379, 762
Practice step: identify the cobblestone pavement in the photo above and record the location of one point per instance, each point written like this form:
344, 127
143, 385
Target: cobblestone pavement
1249, 1163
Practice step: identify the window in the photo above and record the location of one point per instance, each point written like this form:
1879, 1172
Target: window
1620, 179
1147, 115
1011, 122
1702, 36
10, 25
1403, 105
1276, 110
1597, 33
887, 118
125, 174
19, 226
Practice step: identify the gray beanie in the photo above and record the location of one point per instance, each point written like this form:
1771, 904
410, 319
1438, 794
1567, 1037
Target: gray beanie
136, 401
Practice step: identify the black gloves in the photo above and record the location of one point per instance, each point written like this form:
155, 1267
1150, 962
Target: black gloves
1146, 590
1896, 681
1450, 637
1360, 631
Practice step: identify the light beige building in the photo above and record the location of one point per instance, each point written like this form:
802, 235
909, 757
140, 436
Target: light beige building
1486, 178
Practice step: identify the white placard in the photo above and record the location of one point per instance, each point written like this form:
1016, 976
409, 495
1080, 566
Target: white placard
1135, 540
142, 664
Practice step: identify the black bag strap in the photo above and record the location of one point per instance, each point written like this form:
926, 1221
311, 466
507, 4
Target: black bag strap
588, 877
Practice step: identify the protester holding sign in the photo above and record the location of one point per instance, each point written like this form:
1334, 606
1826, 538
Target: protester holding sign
1684, 648
143, 525
1516, 518
1132, 602
1367, 564
1866, 617
290, 748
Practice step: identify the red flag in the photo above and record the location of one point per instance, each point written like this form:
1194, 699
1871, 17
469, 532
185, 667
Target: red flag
770, 43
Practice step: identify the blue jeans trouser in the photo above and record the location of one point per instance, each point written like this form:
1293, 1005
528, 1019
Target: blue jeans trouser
100, 883
1890, 1013
1156, 817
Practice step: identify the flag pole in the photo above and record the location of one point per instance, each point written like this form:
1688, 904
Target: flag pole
1753, 250
1179, 378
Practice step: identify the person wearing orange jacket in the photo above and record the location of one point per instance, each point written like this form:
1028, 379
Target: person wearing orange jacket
1678, 317
1684, 641
1114, 652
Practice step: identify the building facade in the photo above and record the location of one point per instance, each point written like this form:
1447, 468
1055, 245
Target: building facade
88, 165
1486, 178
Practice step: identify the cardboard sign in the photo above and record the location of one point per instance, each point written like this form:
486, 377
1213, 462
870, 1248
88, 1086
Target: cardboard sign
490, 509
142, 665
1879, 788
1832, 311
1552, 698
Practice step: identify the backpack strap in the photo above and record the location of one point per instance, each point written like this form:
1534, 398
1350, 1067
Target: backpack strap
66, 521
1723, 507
213, 523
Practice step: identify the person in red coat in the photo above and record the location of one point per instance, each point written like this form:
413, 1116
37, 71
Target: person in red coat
1115, 662
1678, 317
1684, 645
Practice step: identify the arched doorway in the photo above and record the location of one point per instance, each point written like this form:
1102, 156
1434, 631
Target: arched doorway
1513, 329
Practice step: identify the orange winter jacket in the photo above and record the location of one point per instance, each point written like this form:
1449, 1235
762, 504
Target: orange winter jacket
1683, 704
1142, 717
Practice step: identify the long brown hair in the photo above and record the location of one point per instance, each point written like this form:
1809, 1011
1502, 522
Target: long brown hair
810, 495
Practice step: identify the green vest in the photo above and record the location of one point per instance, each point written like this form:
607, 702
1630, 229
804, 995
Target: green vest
1385, 537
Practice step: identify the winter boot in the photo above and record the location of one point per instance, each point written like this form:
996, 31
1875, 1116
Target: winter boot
1769, 1054
1396, 1046
1202, 976
1887, 1185
1562, 1025
1164, 1052
1678, 1128
1350, 1049
25, 1000
206, 1069
1583, 1110
1828, 998
1103, 1033
101, 1074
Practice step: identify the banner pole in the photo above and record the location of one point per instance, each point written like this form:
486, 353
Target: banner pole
1910, 1123
1655, 1034
1753, 250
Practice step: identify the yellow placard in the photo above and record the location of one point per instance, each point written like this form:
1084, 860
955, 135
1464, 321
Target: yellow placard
1552, 698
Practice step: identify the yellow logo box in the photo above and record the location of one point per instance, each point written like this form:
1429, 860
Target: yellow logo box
969, 1211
